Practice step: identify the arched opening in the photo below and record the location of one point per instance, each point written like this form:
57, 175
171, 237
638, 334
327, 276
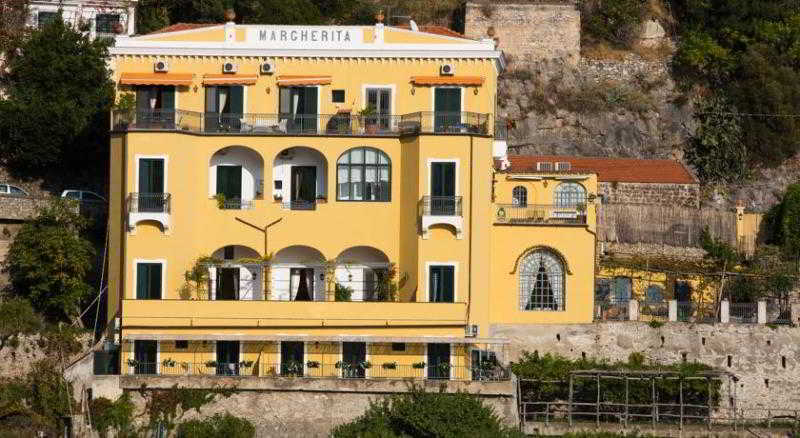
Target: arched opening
299, 178
363, 174
236, 176
542, 281
361, 275
298, 274
519, 196
569, 194
238, 276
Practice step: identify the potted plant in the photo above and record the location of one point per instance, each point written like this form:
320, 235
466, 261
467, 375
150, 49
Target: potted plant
342, 293
418, 365
321, 198
369, 119
230, 13
133, 363
168, 363
84, 25
125, 110
277, 197
211, 364
312, 364
365, 365
220, 200
246, 364
118, 28
389, 365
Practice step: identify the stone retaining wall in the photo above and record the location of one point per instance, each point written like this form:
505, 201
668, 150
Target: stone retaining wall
680, 195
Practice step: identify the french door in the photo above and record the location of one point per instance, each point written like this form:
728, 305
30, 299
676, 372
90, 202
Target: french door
151, 185
447, 110
224, 108
443, 189
228, 358
438, 361
229, 184
304, 187
354, 357
298, 106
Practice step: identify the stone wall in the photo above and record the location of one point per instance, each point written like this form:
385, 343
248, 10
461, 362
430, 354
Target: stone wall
19, 208
765, 361
298, 407
527, 31
680, 195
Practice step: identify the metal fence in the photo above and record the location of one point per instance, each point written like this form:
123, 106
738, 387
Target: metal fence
149, 202
743, 313
653, 311
779, 312
441, 206
667, 225
440, 122
533, 214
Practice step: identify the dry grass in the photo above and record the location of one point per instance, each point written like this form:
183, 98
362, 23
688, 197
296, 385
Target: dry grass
602, 51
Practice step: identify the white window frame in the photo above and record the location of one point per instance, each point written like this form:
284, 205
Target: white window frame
457, 161
428, 265
163, 263
391, 87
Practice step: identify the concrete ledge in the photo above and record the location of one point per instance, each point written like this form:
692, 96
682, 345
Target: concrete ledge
299, 384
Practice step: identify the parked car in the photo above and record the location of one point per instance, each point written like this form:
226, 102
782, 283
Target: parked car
8, 189
83, 196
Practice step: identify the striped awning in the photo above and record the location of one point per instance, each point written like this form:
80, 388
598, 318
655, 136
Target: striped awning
447, 80
297, 80
229, 79
156, 79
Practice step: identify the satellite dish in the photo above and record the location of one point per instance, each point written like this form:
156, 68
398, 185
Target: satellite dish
413, 25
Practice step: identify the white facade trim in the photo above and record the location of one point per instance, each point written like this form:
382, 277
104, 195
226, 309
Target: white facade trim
391, 87
455, 221
161, 217
162, 262
428, 278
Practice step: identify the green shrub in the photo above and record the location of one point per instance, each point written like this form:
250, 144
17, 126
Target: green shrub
614, 21
343, 293
423, 414
716, 149
218, 426
117, 415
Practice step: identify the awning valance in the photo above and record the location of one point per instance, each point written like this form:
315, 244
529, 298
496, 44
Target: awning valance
156, 79
229, 79
447, 80
299, 80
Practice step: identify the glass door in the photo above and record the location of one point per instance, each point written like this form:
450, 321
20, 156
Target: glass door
229, 184
304, 187
447, 110
380, 101
155, 107
292, 358
441, 284
354, 358
438, 361
224, 108
228, 283
145, 356
227, 358
151, 185
443, 189
298, 108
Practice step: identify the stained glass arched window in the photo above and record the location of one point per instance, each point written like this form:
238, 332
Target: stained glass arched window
541, 282
569, 194
519, 196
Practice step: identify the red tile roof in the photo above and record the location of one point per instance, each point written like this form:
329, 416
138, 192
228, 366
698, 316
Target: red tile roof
177, 27
629, 170
438, 30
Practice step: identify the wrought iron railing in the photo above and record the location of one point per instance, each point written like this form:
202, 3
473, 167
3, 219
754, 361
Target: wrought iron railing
300, 205
746, 313
501, 129
531, 214
236, 204
441, 206
779, 312
389, 369
149, 203
342, 124
653, 310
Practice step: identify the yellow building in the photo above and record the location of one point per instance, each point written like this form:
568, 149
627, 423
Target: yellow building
330, 201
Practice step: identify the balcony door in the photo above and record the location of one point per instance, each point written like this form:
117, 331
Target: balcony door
447, 110
380, 100
292, 358
304, 186
145, 355
151, 185
155, 107
224, 108
443, 189
441, 284
299, 108
354, 354
228, 283
227, 358
438, 361
301, 281
229, 184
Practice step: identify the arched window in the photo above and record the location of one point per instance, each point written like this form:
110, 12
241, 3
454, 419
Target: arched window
570, 194
655, 293
363, 174
541, 281
519, 196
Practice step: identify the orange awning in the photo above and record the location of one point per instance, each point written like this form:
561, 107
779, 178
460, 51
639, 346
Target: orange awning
156, 79
293, 80
447, 80
229, 79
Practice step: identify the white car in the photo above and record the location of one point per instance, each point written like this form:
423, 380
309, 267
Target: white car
8, 189
82, 196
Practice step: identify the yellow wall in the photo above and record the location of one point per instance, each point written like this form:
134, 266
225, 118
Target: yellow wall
703, 288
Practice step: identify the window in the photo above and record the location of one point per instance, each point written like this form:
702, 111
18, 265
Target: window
622, 289
541, 281
363, 174
519, 196
104, 23
46, 18
145, 357
224, 108
155, 107
655, 293
441, 284
16, 191
228, 252
569, 194
544, 166
148, 281
380, 100
298, 108
398, 346
337, 96
181, 345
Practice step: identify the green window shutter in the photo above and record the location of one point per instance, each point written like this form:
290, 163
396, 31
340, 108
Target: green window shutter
155, 281
168, 98
211, 99
448, 283
142, 98
236, 95
142, 280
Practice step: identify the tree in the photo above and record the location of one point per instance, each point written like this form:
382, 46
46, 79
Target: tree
59, 93
425, 414
716, 149
16, 318
49, 260
13, 15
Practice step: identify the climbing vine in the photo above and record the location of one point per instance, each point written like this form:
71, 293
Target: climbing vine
166, 406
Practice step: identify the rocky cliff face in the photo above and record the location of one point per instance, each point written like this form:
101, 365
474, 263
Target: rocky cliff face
627, 108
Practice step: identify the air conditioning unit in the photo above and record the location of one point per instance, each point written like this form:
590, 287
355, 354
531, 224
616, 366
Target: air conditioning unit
229, 67
563, 166
544, 166
267, 68
161, 66
471, 331
447, 70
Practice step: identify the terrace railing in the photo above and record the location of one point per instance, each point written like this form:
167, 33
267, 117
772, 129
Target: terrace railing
441, 206
540, 214
149, 202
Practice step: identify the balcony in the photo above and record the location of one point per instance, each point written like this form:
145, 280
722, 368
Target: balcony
342, 124
511, 214
261, 313
441, 210
148, 207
